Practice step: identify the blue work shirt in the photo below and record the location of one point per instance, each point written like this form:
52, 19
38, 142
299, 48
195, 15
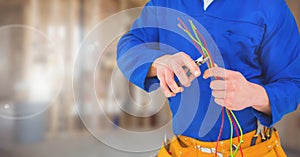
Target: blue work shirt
258, 38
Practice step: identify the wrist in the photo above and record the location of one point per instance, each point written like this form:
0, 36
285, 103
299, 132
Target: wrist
260, 99
152, 72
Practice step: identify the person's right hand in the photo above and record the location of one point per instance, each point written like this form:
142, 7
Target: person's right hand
166, 66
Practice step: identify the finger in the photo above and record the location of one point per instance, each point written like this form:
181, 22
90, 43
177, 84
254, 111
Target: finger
181, 75
216, 72
219, 101
191, 65
167, 92
171, 83
163, 85
218, 85
219, 94
191, 78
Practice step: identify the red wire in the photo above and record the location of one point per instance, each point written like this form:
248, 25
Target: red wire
223, 114
205, 45
220, 132
208, 52
186, 28
198, 48
202, 38
231, 118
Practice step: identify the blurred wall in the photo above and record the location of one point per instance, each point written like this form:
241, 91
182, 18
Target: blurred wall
289, 126
67, 22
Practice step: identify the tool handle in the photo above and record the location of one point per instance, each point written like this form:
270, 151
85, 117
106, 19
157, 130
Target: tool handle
201, 60
188, 73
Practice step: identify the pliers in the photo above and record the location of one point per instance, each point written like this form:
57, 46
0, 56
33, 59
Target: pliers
265, 133
201, 60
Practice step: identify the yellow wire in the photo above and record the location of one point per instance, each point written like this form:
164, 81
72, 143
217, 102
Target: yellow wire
241, 131
198, 41
231, 132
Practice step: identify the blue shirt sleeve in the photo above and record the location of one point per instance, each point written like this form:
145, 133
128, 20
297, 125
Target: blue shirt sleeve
138, 49
280, 59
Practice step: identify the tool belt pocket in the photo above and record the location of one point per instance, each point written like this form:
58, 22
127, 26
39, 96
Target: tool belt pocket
271, 154
177, 148
173, 149
269, 148
163, 153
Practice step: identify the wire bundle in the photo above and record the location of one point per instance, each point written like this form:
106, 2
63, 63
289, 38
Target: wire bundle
201, 46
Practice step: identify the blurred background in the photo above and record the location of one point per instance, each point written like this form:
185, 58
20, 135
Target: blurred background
39, 42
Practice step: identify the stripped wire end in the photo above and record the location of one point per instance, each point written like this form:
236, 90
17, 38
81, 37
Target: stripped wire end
192, 24
180, 27
201, 60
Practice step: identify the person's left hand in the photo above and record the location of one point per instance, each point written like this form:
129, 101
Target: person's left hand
233, 91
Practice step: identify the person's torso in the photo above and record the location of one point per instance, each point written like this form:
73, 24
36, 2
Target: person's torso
238, 28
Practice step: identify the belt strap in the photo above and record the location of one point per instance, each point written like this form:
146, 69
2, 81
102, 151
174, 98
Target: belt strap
190, 144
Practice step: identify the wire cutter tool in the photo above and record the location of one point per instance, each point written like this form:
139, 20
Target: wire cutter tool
201, 60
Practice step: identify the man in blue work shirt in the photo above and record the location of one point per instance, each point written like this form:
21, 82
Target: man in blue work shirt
260, 45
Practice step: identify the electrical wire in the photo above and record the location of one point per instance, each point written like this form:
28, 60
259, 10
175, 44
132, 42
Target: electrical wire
200, 41
231, 132
240, 138
220, 132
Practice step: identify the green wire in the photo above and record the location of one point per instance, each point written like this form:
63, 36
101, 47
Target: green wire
204, 50
192, 37
241, 131
194, 30
231, 133
199, 41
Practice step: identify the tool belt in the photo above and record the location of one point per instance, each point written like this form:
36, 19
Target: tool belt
254, 144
